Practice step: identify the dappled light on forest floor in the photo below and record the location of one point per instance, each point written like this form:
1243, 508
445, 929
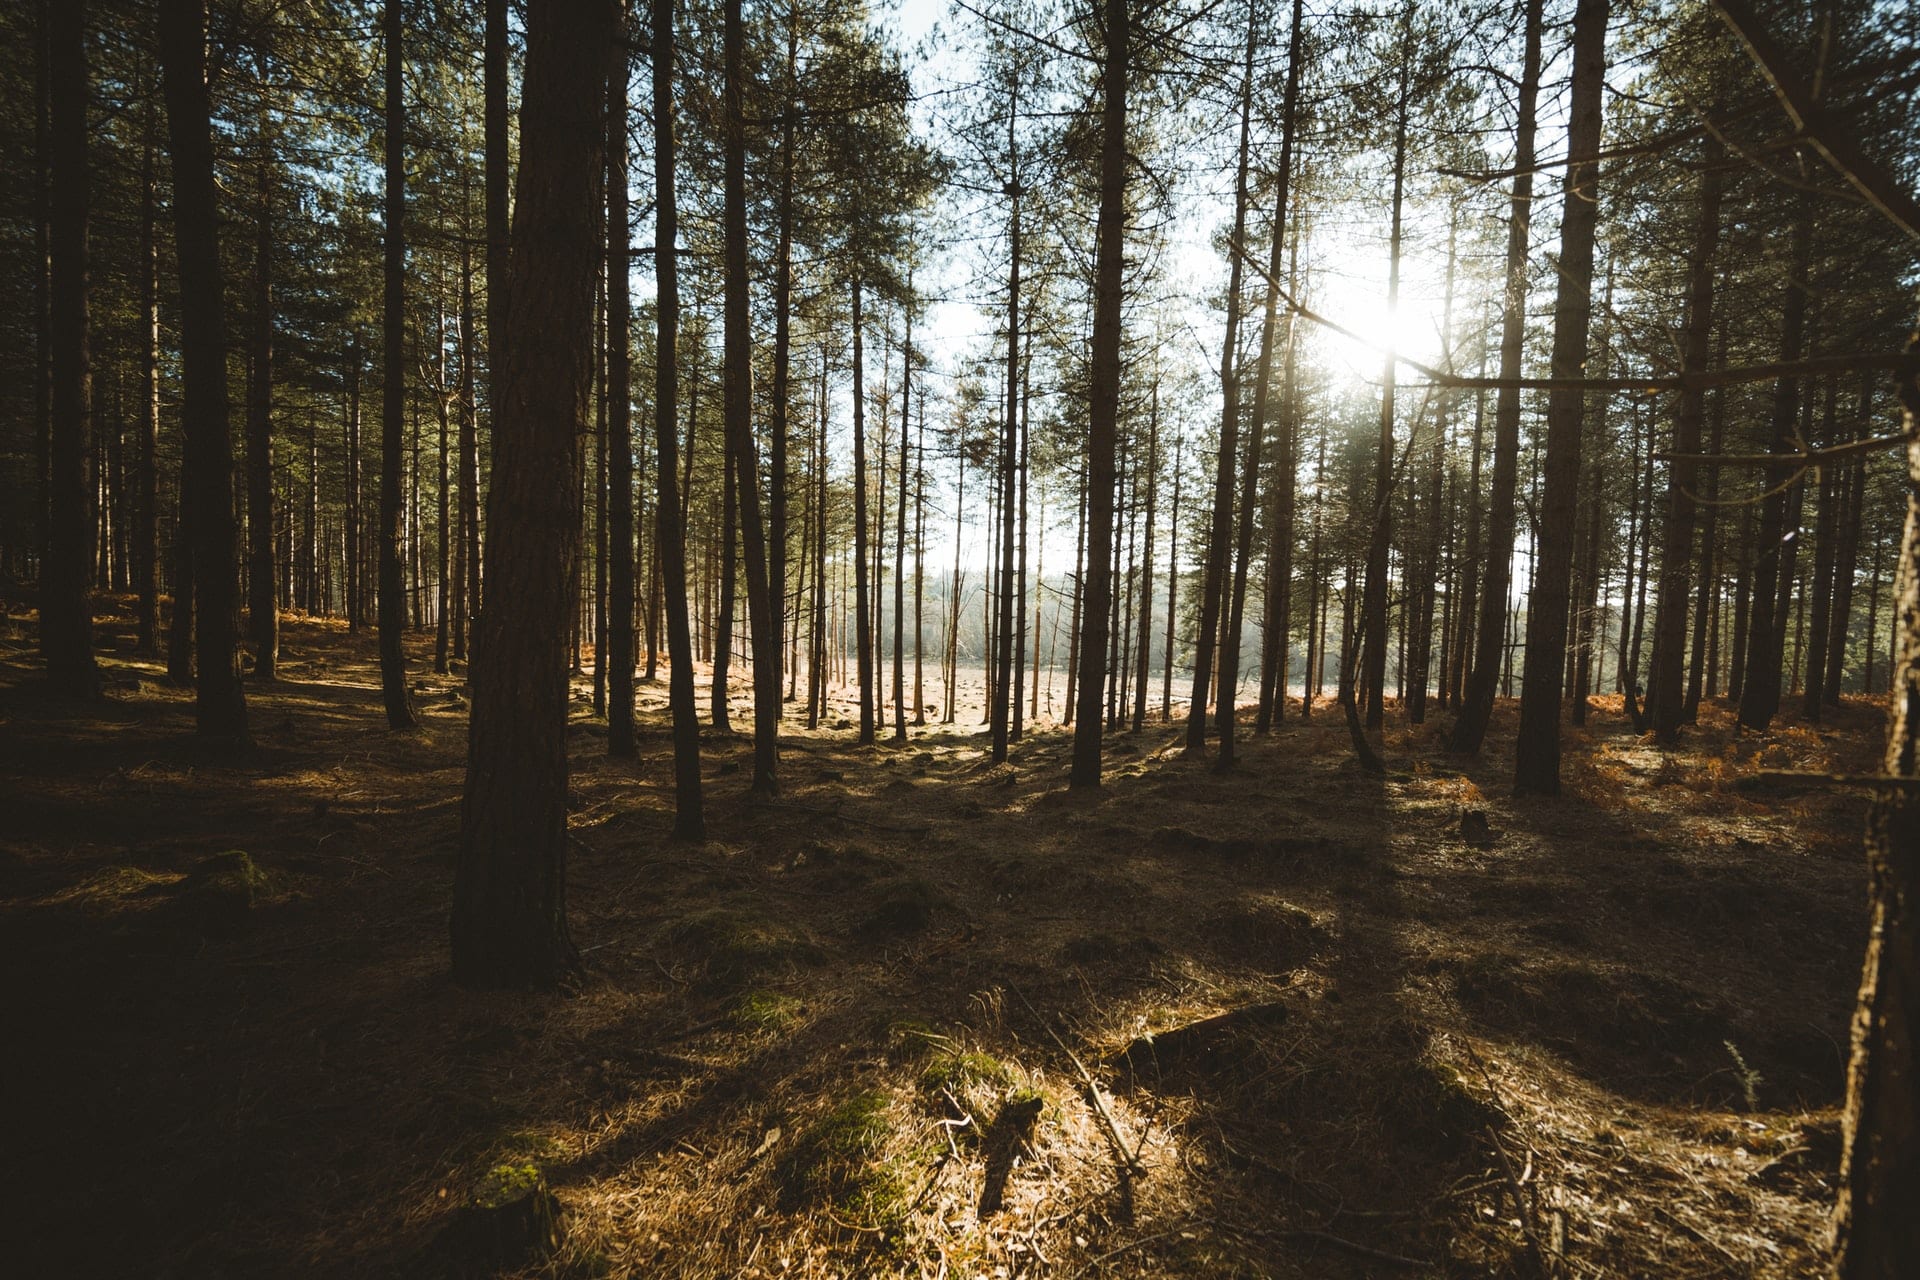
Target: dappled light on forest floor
922, 1015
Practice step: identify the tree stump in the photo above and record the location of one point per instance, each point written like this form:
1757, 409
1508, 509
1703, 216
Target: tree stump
1474, 829
512, 1220
1201, 1044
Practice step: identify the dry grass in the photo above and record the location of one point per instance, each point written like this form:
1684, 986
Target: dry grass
841, 1038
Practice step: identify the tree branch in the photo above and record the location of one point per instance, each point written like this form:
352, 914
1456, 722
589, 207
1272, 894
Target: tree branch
1880, 188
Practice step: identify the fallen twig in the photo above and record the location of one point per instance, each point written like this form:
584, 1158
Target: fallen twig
1128, 1161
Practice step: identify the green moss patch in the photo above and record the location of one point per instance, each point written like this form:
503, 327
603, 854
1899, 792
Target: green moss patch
840, 1161
765, 1011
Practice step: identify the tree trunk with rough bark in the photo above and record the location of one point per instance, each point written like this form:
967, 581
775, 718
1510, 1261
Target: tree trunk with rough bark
1760, 681
619, 585
1213, 585
1489, 647
220, 708
392, 588
1677, 552
263, 618
1876, 1231
1104, 407
66, 607
509, 912
1537, 752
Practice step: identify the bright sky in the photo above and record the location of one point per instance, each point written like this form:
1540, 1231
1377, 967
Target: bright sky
1347, 263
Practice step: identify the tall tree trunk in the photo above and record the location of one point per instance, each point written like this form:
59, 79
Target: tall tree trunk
146, 515
1079, 586
1173, 588
1373, 656
1760, 684
900, 533
467, 561
443, 549
509, 898
1677, 550
220, 708
263, 619
863, 632
351, 545
1104, 397
1213, 585
1273, 660
1707, 589
920, 572
393, 602
1589, 605
763, 612
66, 609
1145, 639
1537, 753
1640, 577
1820, 616
1876, 1232
723, 628
1846, 558
619, 440
43, 278
1425, 586
1018, 727
1003, 652
496, 179
1489, 648
817, 644
782, 357
689, 821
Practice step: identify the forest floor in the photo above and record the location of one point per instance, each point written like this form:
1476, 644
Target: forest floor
851, 1034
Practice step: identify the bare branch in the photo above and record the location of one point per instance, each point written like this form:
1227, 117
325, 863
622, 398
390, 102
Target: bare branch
1880, 188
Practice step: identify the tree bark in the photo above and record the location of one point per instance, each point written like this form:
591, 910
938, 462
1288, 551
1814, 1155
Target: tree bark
393, 601
619, 441
509, 911
66, 608
1827, 527
220, 708
689, 821
762, 611
1173, 588
1489, 649
467, 558
900, 532
1846, 561
1144, 641
1876, 1232
263, 618
1273, 658
1379, 546
1537, 752
1760, 684
863, 637
146, 532
1104, 397
1003, 651
443, 546
1677, 551
782, 358
1213, 585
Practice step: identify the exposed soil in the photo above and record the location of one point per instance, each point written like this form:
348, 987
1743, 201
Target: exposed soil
841, 1037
